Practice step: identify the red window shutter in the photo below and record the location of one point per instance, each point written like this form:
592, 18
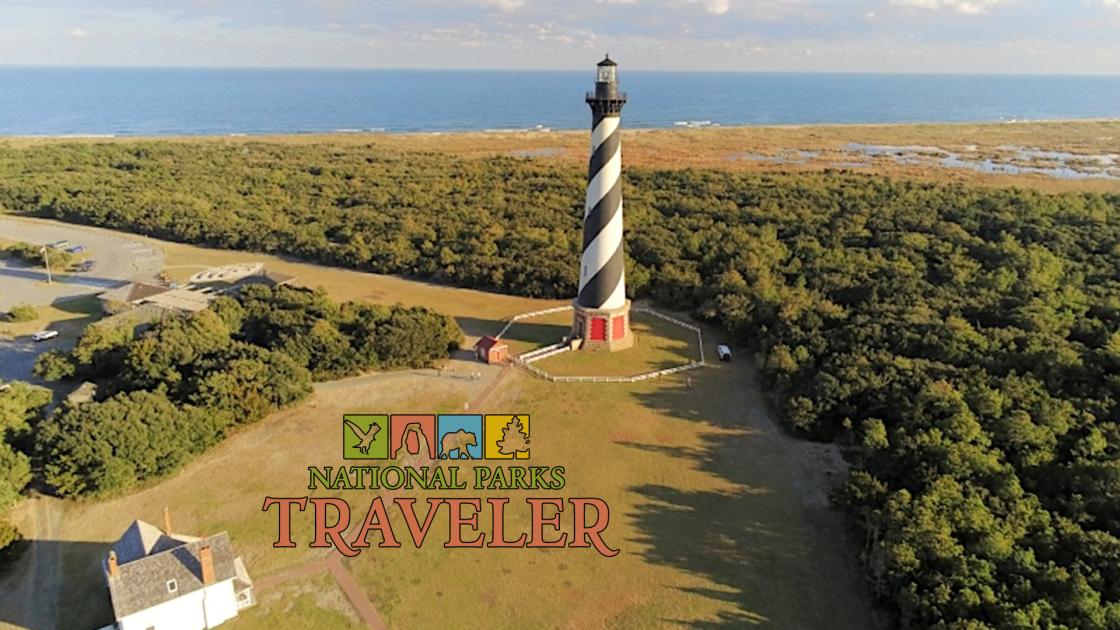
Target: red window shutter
618, 327
599, 328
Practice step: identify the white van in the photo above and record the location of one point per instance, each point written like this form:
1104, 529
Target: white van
44, 335
724, 352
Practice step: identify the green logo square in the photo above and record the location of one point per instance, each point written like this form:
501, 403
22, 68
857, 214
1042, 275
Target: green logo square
365, 436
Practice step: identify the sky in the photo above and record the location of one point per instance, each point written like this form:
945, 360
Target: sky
934, 36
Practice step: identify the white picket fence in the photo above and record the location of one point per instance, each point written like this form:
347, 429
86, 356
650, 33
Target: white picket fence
543, 353
685, 325
525, 360
539, 373
548, 311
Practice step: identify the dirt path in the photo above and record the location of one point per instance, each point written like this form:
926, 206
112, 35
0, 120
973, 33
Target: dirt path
354, 593
32, 600
482, 396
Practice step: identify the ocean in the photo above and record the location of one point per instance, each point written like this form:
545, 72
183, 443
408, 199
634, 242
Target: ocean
150, 101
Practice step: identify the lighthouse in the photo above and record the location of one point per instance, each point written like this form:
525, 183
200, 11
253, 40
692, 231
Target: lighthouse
602, 312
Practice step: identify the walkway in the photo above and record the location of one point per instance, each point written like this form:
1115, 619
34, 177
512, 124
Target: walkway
343, 578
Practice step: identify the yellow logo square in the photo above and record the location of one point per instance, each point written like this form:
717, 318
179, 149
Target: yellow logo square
507, 436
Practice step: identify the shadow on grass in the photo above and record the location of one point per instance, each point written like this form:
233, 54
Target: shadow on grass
536, 333
476, 327
737, 537
528, 332
74, 596
82, 304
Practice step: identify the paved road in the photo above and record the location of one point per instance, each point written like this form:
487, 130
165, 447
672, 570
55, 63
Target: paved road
117, 259
17, 356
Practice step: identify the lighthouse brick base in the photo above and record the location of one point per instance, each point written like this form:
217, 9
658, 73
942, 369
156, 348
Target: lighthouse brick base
602, 329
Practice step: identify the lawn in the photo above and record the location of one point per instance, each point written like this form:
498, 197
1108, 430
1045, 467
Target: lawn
312, 603
529, 334
720, 518
658, 345
69, 317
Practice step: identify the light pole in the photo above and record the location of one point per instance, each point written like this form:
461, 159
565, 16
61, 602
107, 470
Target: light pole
47, 262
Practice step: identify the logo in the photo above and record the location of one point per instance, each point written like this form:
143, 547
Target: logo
412, 435
365, 436
507, 437
417, 443
460, 437
450, 437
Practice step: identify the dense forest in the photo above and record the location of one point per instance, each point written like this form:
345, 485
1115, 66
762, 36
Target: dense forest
180, 386
964, 341
21, 412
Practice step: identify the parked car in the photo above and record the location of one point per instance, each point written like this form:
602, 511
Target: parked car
60, 244
724, 352
77, 249
85, 266
44, 335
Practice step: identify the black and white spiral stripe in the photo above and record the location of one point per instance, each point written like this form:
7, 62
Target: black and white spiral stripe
601, 280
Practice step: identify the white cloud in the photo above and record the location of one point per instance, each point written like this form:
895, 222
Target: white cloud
1111, 4
966, 7
508, 6
715, 7
77, 33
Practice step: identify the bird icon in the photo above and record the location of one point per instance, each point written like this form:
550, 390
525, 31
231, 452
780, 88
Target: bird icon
365, 438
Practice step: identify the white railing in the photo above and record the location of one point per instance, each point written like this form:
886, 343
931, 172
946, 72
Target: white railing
539, 373
526, 359
674, 320
543, 353
548, 311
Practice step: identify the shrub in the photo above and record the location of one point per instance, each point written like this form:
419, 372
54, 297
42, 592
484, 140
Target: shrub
22, 313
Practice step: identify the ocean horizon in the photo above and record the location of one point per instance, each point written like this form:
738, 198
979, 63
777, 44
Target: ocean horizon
136, 101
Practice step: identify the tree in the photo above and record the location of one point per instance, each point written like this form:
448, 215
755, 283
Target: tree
54, 365
100, 349
107, 447
15, 474
21, 405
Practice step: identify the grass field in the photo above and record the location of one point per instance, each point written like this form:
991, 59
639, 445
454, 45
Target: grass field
532, 333
69, 317
313, 603
722, 520
658, 345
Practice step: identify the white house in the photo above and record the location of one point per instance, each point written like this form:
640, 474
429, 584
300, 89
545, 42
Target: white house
163, 581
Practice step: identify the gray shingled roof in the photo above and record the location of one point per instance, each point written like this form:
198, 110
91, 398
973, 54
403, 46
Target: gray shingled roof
143, 539
266, 277
148, 558
132, 292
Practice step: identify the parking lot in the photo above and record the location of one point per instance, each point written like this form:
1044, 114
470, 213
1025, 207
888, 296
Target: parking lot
116, 259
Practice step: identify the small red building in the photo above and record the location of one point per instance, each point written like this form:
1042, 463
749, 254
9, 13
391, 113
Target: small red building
491, 350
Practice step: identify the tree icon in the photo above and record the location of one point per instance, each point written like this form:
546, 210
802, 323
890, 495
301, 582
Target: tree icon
514, 438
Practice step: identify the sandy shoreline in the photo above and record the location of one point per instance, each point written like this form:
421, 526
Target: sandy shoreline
685, 128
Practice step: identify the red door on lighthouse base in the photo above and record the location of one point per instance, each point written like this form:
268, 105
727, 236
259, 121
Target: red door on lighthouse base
599, 329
